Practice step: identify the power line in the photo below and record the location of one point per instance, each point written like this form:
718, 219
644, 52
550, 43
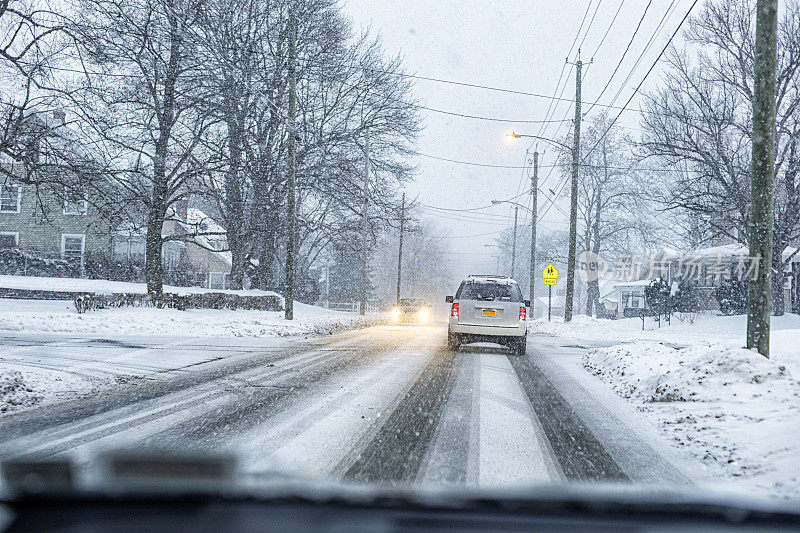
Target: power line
596, 9
652, 66
474, 235
561, 75
465, 209
644, 51
477, 117
550, 108
608, 29
562, 182
624, 53
468, 163
463, 214
554, 98
469, 219
555, 165
571, 101
400, 74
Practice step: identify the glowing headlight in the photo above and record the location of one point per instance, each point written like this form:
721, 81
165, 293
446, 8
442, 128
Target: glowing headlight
395, 313
424, 315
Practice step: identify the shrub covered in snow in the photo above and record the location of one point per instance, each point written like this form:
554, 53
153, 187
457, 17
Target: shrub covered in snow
209, 300
732, 296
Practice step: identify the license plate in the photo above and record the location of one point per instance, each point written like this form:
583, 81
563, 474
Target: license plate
488, 312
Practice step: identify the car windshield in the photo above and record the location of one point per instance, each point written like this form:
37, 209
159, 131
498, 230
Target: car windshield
404, 245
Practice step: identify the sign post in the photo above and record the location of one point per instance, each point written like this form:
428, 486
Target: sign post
550, 277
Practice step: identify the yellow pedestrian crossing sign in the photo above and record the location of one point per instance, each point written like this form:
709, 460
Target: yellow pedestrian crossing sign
550, 274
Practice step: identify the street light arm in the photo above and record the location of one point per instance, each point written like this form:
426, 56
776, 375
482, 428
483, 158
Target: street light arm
525, 207
545, 139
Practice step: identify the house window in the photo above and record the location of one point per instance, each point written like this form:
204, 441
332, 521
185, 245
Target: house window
10, 196
219, 280
626, 298
72, 246
75, 202
8, 240
172, 258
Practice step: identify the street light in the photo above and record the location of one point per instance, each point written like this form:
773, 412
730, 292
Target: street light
573, 211
517, 205
514, 241
521, 206
514, 135
498, 255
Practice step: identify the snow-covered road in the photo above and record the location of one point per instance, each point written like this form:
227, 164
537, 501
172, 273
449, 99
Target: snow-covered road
383, 404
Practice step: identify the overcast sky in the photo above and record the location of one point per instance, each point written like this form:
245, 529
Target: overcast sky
512, 45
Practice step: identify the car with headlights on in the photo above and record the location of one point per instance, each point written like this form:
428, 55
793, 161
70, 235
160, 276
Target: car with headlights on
411, 311
488, 308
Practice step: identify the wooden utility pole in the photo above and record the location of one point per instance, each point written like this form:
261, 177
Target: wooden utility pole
534, 191
365, 227
573, 208
400, 248
290, 177
759, 292
514, 242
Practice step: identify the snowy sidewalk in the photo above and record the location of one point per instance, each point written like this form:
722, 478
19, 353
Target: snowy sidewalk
731, 408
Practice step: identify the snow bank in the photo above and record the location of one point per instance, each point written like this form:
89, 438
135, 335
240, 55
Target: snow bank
654, 372
14, 392
732, 408
685, 330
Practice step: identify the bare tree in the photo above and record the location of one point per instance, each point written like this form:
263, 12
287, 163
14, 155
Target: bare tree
29, 42
344, 87
699, 123
142, 96
612, 217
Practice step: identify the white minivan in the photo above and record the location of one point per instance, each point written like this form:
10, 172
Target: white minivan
488, 309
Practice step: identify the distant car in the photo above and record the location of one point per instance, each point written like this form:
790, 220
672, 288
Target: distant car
411, 311
488, 309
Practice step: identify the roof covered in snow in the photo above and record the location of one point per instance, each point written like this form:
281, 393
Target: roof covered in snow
211, 235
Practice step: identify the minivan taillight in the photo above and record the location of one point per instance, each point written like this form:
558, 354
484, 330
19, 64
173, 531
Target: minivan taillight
522, 314
454, 311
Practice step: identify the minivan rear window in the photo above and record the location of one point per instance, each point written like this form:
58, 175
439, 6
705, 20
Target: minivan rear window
488, 292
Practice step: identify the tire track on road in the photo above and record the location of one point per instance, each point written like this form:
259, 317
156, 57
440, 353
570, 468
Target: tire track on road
395, 453
578, 451
256, 403
79, 413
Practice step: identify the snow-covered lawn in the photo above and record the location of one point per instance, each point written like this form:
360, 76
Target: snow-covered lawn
61, 316
730, 407
103, 286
